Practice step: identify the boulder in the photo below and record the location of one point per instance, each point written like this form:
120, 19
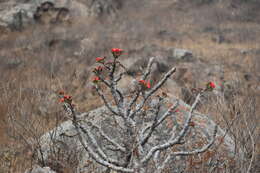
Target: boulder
17, 15
38, 169
181, 54
64, 137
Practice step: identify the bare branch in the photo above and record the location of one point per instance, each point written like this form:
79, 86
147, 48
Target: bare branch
186, 153
156, 122
161, 82
98, 159
156, 159
253, 145
119, 77
152, 91
177, 139
117, 95
148, 68
201, 150
98, 148
113, 142
132, 102
105, 101
137, 94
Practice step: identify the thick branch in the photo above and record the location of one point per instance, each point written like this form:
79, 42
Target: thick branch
151, 127
156, 159
104, 81
186, 153
98, 159
148, 68
113, 142
118, 98
177, 139
157, 122
90, 151
152, 91
105, 101
138, 92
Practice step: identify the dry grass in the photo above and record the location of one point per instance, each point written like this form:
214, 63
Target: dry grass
46, 68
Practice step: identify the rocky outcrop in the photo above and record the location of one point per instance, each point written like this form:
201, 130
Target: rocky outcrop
181, 54
64, 137
17, 15
38, 169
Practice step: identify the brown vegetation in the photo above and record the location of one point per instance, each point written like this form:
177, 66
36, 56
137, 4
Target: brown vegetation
40, 60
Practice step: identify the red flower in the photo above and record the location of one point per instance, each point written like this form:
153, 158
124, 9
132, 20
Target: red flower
117, 52
95, 79
67, 97
177, 110
100, 59
61, 100
148, 84
142, 82
211, 86
145, 84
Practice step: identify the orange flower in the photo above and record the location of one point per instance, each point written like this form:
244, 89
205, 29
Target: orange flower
211, 86
145, 84
177, 110
100, 59
67, 97
96, 79
117, 52
142, 82
148, 84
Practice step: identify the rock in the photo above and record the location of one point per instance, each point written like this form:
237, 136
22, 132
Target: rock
181, 54
103, 7
64, 138
16, 15
159, 67
19, 15
12, 63
38, 169
248, 77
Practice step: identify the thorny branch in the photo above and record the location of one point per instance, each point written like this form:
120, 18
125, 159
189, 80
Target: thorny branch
137, 154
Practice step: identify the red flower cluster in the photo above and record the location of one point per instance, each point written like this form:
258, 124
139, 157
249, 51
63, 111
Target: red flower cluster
65, 98
96, 79
211, 86
145, 84
100, 59
177, 110
117, 52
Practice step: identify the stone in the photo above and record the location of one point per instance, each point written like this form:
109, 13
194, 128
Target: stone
38, 169
66, 135
181, 54
17, 15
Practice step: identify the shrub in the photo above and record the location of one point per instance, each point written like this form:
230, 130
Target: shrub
134, 144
